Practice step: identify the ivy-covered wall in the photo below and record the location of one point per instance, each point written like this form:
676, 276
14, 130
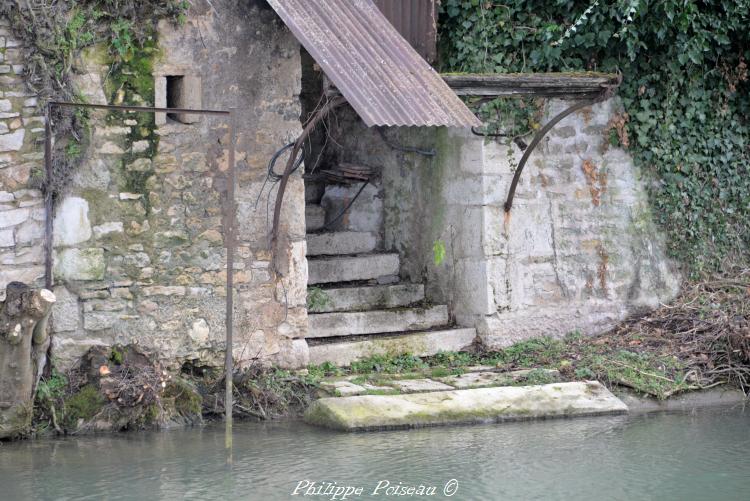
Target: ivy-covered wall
685, 93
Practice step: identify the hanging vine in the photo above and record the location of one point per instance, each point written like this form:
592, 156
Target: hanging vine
685, 91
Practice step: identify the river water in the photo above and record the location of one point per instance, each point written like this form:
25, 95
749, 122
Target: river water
703, 455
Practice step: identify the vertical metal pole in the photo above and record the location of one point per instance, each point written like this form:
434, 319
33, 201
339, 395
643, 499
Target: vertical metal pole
48, 280
230, 242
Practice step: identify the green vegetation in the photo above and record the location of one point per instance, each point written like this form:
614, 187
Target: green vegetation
438, 252
576, 358
317, 299
685, 92
85, 404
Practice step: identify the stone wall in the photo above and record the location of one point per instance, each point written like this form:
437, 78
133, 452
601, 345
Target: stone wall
139, 234
579, 251
21, 154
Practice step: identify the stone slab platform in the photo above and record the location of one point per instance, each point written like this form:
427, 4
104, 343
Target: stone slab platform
481, 405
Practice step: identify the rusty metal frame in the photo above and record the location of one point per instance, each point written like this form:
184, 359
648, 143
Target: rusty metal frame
230, 220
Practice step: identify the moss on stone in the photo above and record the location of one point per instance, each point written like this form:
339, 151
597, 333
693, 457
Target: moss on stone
187, 401
85, 404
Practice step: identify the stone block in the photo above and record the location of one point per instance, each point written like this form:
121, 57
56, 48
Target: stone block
481, 405
71, 224
80, 264
199, 331
340, 243
366, 214
65, 313
315, 217
6, 238
90, 86
13, 217
107, 229
99, 321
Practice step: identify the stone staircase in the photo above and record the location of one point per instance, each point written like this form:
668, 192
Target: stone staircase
358, 307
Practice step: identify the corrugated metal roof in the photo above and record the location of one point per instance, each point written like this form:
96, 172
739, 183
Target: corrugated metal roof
416, 21
376, 70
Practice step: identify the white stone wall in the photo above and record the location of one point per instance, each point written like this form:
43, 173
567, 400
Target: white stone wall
578, 251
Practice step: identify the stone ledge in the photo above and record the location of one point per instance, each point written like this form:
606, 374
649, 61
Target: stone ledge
482, 405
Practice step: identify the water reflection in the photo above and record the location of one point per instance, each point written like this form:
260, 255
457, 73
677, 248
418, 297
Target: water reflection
703, 455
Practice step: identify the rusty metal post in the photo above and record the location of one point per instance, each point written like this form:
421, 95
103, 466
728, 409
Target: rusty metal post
48, 201
230, 221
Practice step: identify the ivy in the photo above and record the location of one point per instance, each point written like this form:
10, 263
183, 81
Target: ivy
685, 91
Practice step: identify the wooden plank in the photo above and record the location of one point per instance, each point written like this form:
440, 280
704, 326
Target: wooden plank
573, 85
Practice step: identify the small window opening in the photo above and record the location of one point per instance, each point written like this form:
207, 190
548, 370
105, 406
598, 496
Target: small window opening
174, 92
183, 92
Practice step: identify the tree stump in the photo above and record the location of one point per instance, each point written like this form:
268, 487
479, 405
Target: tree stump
23, 354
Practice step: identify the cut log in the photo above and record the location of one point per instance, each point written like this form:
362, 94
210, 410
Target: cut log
23, 354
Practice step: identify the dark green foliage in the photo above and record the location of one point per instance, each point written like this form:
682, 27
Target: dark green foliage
685, 91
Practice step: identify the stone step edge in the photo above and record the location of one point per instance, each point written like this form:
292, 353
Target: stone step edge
473, 406
354, 298
353, 268
360, 323
345, 350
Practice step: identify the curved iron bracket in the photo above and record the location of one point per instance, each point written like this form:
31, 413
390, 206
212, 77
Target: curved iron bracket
607, 92
537, 139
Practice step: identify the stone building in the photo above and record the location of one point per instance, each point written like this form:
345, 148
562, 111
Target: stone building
139, 241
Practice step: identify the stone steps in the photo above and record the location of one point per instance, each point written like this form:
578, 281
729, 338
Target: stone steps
315, 217
340, 243
374, 297
376, 322
482, 405
344, 352
352, 268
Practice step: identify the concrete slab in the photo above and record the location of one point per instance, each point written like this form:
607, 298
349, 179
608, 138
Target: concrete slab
373, 297
351, 268
481, 405
418, 385
340, 243
376, 322
422, 344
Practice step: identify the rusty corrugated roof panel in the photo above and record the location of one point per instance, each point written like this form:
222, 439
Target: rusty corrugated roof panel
376, 70
416, 21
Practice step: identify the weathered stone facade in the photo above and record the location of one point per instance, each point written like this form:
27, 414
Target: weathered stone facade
578, 252
139, 250
139, 242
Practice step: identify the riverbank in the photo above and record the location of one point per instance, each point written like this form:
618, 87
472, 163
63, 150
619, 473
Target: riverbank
699, 342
